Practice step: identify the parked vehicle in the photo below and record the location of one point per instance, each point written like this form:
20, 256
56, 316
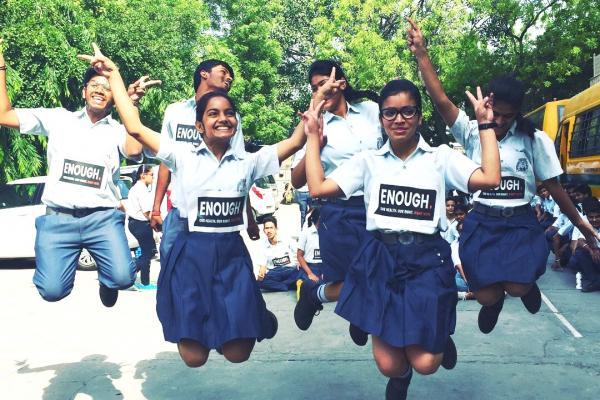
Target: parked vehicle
20, 205
264, 197
548, 116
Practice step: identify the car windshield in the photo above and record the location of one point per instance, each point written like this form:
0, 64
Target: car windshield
18, 195
265, 182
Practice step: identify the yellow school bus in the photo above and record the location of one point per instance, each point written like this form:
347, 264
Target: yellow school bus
548, 116
578, 139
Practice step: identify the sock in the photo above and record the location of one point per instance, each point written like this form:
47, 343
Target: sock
406, 374
321, 294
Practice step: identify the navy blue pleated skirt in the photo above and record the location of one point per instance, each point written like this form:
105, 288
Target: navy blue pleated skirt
403, 294
341, 229
207, 291
502, 249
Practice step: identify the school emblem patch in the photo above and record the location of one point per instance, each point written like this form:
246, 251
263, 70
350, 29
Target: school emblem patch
379, 142
522, 165
241, 186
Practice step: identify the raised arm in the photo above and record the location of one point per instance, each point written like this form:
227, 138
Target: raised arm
8, 116
318, 186
289, 146
416, 44
127, 111
488, 176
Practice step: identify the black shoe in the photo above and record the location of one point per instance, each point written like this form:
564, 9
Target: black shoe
532, 299
359, 337
307, 307
397, 388
587, 287
449, 359
273, 325
108, 296
488, 316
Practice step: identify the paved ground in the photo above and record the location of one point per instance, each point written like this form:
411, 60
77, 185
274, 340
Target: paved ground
77, 349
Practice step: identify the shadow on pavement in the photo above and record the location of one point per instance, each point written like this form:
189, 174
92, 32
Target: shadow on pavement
92, 376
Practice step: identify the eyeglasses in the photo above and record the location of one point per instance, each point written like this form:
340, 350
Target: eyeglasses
97, 85
391, 113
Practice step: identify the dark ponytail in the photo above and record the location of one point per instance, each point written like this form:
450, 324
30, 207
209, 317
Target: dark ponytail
323, 67
507, 89
141, 171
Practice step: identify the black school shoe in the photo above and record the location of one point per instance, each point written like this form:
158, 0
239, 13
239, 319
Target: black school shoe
307, 307
532, 299
450, 356
359, 337
587, 287
108, 296
397, 388
273, 325
488, 316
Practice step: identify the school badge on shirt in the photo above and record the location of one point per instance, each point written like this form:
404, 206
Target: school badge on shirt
510, 188
82, 174
188, 134
522, 165
406, 202
220, 212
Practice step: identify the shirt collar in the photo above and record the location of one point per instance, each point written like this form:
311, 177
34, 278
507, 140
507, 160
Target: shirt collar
387, 148
82, 114
229, 153
352, 108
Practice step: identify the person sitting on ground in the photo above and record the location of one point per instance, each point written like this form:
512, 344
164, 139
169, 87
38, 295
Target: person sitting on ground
279, 270
309, 252
545, 212
584, 260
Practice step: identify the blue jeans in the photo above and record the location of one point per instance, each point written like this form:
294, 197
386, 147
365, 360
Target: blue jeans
461, 285
142, 231
302, 199
172, 226
59, 240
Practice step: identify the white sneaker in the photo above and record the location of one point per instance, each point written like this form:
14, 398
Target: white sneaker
578, 281
462, 295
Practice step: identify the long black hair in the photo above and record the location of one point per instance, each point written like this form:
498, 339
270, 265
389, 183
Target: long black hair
323, 67
141, 171
507, 89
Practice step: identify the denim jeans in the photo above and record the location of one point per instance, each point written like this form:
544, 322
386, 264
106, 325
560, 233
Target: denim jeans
302, 200
142, 231
59, 240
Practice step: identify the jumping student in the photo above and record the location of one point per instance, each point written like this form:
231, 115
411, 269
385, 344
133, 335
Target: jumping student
207, 294
502, 247
350, 126
400, 287
81, 193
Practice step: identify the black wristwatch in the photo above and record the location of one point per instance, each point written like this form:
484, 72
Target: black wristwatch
487, 125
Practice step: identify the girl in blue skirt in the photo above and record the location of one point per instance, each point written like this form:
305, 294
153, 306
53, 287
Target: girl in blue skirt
208, 297
400, 286
502, 247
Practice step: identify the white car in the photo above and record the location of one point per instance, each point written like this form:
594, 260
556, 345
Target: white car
264, 197
20, 205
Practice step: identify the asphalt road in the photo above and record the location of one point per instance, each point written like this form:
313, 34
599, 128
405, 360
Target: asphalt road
77, 349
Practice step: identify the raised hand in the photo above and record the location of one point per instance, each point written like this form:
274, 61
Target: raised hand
415, 39
313, 120
138, 88
102, 64
329, 87
482, 106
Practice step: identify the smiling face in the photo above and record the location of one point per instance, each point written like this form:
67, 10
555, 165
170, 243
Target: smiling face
401, 130
98, 96
219, 122
450, 208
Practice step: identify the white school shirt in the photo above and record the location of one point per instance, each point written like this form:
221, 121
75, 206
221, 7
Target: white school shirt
548, 205
308, 242
280, 254
179, 124
214, 192
454, 253
522, 160
451, 233
83, 157
139, 201
407, 195
535, 200
297, 158
578, 235
359, 131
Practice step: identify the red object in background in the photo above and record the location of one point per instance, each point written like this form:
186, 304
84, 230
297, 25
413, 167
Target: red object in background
257, 192
169, 204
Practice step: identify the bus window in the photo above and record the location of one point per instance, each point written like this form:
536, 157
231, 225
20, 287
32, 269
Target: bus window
586, 134
561, 112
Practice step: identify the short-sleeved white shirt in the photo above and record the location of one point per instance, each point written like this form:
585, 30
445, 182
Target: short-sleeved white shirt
280, 254
214, 192
451, 234
406, 195
522, 159
139, 201
179, 124
576, 235
548, 205
83, 157
360, 130
454, 254
297, 158
308, 242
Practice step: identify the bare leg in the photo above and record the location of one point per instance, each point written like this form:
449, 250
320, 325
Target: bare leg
489, 295
192, 353
422, 361
238, 350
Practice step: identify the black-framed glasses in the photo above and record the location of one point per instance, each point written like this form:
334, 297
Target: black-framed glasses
391, 113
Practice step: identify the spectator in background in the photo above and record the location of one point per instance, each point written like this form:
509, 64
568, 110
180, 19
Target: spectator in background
278, 271
450, 234
461, 281
309, 252
139, 206
301, 195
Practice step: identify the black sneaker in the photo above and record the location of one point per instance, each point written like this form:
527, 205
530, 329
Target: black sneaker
307, 307
359, 337
449, 359
273, 325
108, 296
397, 388
532, 299
488, 316
587, 287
